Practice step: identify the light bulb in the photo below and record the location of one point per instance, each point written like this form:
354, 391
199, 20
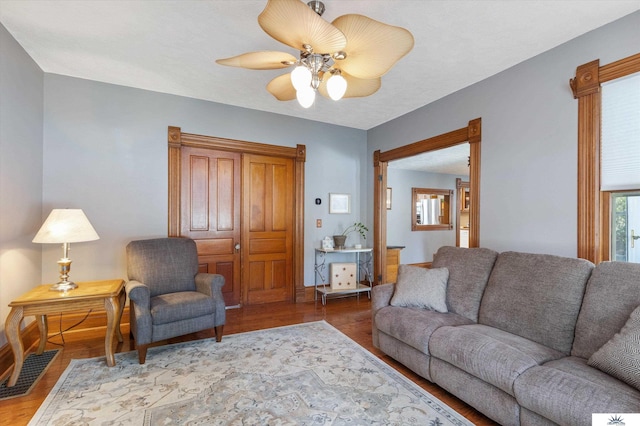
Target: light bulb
306, 96
336, 86
300, 77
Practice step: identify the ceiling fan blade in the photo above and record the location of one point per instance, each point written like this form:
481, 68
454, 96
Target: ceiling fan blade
282, 88
295, 24
373, 47
267, 60
356, 87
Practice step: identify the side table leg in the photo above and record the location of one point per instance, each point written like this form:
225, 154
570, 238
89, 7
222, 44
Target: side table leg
112, 308
12, 330
43, 328
121, 302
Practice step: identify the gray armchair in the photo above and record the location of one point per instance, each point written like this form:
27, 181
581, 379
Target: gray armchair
168, 297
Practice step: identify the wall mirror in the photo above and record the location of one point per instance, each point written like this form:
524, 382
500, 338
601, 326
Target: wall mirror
432, 209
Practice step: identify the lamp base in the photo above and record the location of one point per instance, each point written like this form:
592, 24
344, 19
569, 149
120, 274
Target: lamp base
63, 286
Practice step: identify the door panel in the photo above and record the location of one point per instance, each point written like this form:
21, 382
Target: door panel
268, 234
210, 213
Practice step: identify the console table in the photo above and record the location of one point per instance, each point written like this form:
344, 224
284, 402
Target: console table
320, 272
41, 301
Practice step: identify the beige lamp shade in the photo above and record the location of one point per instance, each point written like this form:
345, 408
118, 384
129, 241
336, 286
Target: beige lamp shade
66, 226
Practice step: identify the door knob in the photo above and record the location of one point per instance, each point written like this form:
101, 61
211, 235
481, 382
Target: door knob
237, 247
633, 238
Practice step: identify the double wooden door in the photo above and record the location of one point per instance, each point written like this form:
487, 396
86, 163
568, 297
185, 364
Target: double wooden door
239, 208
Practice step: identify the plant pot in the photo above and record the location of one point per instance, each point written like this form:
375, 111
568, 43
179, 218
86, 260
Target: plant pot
338, 241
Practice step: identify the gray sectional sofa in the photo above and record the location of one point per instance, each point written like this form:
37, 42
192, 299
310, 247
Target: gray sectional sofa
526, 339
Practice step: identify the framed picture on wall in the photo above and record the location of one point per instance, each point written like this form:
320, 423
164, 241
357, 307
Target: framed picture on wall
388, 198
339, 203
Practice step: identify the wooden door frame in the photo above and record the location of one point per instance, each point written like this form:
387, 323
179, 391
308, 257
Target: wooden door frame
471, 134
177, 139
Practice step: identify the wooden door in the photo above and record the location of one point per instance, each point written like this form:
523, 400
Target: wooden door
268, 229
210, 213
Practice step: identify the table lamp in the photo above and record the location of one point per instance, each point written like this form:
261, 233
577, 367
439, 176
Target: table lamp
65, 226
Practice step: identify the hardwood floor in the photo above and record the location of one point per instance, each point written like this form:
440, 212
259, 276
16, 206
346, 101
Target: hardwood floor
349, 315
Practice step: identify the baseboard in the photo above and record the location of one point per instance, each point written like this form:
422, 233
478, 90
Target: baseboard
95, 320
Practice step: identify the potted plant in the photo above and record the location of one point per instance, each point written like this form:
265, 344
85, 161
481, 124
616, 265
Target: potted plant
339, 240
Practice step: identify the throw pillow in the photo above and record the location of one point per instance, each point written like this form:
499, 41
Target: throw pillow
620, 356
418, 287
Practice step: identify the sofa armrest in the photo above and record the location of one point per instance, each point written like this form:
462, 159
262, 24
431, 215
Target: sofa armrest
380, 297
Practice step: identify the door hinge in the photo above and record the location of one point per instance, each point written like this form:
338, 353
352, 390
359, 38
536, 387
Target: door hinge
380, 278
380, 178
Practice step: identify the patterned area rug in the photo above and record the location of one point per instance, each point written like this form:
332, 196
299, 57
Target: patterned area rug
306, 374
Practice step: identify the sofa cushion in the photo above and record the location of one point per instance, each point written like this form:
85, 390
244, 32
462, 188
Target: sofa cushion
414, 326
567, 391
620, 356
492, 355
612, 293
421, 288
469, 271
536, 296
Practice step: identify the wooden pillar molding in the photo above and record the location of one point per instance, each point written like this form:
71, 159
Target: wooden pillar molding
471, 134
593, 229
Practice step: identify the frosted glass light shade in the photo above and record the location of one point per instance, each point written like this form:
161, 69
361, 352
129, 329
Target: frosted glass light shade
301, 77
306, 96
66, 226
336, 86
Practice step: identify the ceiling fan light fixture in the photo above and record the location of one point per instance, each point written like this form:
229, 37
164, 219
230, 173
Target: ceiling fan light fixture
316, 6
301, 77
336, 86
306, 96
327, 63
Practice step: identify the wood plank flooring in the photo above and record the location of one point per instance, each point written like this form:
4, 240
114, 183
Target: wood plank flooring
349, 315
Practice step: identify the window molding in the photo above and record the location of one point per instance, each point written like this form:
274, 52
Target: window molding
593, 206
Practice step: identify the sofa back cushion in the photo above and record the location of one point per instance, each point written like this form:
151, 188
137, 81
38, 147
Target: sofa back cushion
612, 293
469, 270
536, 296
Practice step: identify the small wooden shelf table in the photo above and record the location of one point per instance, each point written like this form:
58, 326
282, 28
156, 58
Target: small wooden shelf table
41, 301
320, 265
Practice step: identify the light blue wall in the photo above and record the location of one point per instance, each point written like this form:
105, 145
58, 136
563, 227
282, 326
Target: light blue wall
106, 152
529, 140
419, 245
21, 115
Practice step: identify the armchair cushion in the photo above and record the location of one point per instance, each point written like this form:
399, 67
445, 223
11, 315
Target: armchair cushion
172, 307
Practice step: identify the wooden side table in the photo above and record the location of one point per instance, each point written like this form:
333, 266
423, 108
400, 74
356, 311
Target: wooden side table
41, 301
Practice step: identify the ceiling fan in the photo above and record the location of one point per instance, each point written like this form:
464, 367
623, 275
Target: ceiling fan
345, 58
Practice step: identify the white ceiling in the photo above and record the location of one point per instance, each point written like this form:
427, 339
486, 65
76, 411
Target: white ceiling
171, 46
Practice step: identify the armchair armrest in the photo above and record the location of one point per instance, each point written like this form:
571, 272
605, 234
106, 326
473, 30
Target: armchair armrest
211, 285
139, 294
140, 311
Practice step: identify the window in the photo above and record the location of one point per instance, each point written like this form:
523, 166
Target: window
625, 227
607, 182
